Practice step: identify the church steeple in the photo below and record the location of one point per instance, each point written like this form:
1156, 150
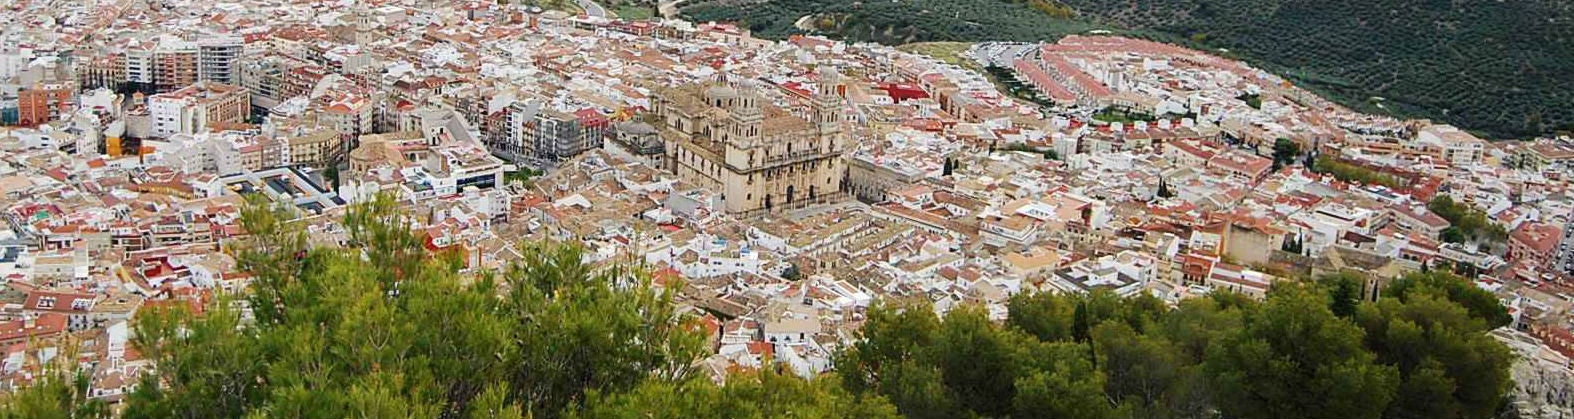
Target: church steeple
828, 102
747, 115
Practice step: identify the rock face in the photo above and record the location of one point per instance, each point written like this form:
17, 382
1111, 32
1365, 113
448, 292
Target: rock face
1543, 380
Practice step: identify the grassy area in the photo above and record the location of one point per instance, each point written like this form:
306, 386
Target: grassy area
1352, 173
1113, 115
633, 12
1251, 100
1006, 81
523, 175
569, 6
950, 52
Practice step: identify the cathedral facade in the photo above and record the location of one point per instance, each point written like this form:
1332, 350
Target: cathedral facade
760, 157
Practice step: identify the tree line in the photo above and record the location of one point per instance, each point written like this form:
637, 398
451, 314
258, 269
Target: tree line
1309, 350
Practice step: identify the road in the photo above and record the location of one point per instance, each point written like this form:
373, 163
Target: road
669, 8
593, 9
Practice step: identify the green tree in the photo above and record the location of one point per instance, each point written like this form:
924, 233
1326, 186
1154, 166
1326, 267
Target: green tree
1480, 303
1453, 234
1465, 222
206, 366
1228, 355
1146, 372
1285, 151
1047, 316
579, 330
381, 328
977, 361
1450, 367
1065, 386
59, 392
1294, 357
1081, 323
1344, 292
764, 393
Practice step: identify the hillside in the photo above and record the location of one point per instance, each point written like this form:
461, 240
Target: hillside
1504, 69
895, 22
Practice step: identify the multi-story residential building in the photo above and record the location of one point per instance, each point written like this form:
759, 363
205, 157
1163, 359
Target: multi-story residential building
13, 60
1246, 167
44, 102
314, 147
217, 57
264, 77
350, 115
1548, 154
137, 62
761, 157
300, 80
594, 129
102, 71
198, 108
174, 65
1534, 244
1418, 219
1451, 144
517, 140
558, 136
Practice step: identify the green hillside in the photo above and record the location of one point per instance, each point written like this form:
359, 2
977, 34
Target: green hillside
897, 22
1505, 69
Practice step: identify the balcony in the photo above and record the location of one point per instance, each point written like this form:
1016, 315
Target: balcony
799, 156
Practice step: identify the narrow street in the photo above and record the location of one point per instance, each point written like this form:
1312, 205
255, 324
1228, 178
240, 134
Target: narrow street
593, 9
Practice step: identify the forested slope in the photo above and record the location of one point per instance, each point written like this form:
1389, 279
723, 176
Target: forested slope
898, 22
1503, 68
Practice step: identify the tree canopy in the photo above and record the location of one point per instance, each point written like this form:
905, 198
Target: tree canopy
1465, 221
1312, 350
381, 328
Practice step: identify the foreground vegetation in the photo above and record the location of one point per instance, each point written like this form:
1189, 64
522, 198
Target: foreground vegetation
1504, 69
1309, 351
382, 329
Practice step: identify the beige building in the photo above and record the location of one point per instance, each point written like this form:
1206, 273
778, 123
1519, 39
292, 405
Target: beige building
759, 156
318, 148
198, 108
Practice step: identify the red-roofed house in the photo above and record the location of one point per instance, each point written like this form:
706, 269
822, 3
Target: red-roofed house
1243, 166
44, 327
75, 306
1534, 243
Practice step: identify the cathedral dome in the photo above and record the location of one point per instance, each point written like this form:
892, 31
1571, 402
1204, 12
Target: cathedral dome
720, 93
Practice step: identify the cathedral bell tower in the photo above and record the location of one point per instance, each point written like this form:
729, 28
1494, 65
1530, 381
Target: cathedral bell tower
828, 102
746, 115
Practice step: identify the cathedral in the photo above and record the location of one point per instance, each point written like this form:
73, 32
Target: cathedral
758, 156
